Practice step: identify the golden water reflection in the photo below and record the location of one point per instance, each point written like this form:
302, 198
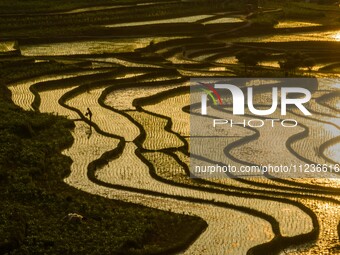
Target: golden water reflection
337, 37
293, 24
289, 37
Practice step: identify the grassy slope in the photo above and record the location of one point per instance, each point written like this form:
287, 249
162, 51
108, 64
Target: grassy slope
34, 199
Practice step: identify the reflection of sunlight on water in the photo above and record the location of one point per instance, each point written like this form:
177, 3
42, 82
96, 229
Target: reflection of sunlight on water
8, 46
227, 60
293, 24
188, 19
270, 63
335, 182
217, 68
224, 20
337, 37
91, 46
315, 36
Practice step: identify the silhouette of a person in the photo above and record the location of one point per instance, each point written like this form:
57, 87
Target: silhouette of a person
89, 114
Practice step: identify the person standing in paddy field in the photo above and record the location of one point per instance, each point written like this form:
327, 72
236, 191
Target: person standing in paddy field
89, 114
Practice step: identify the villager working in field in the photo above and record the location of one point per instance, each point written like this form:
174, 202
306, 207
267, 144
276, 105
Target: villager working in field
89, 114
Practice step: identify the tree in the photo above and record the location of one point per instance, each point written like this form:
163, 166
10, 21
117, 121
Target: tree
249, 57
309, 63
295, 60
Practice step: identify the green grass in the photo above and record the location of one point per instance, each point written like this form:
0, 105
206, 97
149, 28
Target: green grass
35, 200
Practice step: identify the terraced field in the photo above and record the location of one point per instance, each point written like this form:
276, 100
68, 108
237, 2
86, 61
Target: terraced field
136, 148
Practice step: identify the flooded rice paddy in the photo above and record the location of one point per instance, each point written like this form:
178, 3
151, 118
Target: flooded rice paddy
293, 24
163, 21
142, 116
298, 37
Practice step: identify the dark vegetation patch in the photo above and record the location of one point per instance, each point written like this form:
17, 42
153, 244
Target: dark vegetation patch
85, 23
36, 6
